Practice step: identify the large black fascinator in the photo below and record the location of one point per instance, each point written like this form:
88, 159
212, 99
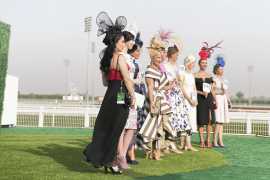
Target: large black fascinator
106, 26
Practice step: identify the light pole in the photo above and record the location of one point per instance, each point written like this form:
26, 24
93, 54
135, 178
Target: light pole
250, 71
66, 63
87, 29
93, 50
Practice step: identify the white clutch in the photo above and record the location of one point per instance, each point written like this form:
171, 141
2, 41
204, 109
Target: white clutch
139, 100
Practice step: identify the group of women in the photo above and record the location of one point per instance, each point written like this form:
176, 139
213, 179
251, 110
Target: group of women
177, 101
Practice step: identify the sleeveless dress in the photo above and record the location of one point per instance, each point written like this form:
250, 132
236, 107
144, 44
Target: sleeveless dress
222, 111
205, 108
189, 85
110, 122
132, 117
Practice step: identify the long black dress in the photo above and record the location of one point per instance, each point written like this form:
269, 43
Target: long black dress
109, 125
205, 108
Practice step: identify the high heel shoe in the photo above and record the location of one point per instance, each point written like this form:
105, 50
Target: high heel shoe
156, 154
221, 145
215, 145
208, 144
114, 170
148, 155
202, 144
191, 149
173, 148
122, 162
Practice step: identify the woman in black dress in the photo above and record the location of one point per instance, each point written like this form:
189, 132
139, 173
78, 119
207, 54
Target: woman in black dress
206, 98
112, 117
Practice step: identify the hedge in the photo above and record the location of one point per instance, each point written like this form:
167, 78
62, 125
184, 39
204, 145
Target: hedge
4, 45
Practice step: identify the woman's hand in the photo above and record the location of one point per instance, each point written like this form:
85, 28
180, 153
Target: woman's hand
133, 102
167, 88
152, 108
205, 94
194, 103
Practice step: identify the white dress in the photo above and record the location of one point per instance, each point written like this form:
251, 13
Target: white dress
179, 119
222, 111
132, 117
189, 85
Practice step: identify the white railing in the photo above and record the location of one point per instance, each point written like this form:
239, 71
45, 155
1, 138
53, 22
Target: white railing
81, 117
257, 123
64, 117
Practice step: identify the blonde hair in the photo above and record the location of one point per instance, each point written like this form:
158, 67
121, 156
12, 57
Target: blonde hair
189, 59
153, 53
157, 44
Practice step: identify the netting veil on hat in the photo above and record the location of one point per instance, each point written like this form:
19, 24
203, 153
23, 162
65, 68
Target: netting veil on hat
106, 26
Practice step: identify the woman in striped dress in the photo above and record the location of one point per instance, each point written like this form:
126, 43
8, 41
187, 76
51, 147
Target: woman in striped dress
156, 123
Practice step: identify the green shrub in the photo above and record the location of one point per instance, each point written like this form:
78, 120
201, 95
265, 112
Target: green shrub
4, 45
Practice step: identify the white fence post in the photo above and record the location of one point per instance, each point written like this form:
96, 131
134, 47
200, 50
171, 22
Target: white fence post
41, 116
53, 120
268, 127
86, 118
249, 130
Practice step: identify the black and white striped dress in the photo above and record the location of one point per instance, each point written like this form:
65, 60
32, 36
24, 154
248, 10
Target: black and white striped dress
154, 126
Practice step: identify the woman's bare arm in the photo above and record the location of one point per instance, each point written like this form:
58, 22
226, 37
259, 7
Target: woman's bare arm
126, 77
180, 83
150, 87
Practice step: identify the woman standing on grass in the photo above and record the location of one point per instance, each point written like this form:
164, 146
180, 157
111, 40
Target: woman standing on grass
131, 124
223, 101
152, 131
189, 89
179, 119
206, 101
139, 87
187, 82
112, 117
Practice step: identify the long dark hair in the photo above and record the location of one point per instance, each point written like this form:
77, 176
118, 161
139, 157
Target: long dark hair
113, 33
216, 67
138, 44
128, 36
106, 58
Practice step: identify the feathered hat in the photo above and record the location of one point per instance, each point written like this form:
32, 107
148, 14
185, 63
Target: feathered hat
220, 60
169, 39
206, 51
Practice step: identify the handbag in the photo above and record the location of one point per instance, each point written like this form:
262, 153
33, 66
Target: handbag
122, 95
157, 106
212, 102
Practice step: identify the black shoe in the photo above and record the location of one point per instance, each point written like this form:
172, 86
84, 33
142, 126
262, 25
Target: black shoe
114, 170
222, 146
216, 146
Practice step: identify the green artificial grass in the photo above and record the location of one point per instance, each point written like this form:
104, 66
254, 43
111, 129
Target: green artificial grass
48, 153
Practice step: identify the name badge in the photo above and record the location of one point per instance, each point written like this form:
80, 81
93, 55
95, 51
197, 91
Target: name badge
206, 87
120, 97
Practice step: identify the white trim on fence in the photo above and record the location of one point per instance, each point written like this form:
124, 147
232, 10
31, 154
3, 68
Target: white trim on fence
87, 115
